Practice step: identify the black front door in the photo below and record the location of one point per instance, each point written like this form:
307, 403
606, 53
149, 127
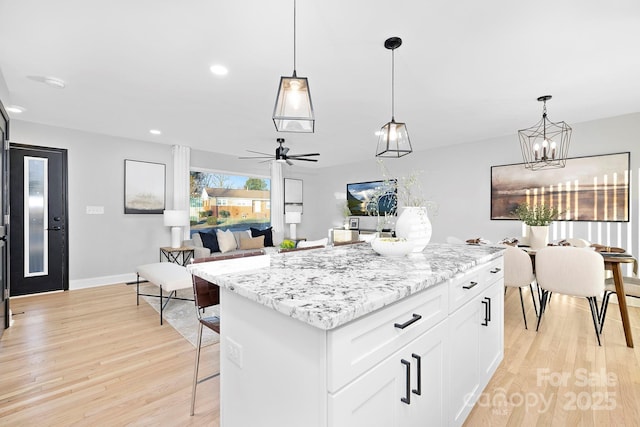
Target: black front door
4, 283
38, 233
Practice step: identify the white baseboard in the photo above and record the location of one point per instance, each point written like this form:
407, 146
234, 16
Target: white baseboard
101, 281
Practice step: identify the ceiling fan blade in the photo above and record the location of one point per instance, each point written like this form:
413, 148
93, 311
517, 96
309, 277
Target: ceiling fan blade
306, 160
257, 157
259, 152
304, 155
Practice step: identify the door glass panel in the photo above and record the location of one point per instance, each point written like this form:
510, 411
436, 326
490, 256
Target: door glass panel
35, 217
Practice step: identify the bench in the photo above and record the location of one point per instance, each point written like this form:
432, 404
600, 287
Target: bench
168, 277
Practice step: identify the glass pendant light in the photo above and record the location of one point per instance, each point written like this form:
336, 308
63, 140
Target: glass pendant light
293, 111
394, 138
545, 145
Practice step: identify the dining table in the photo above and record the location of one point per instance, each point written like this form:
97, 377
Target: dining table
612, 262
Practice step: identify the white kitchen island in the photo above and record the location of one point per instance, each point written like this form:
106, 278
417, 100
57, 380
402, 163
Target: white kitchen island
341, 336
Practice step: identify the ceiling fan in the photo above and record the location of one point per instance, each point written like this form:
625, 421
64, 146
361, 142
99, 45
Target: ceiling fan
281, 154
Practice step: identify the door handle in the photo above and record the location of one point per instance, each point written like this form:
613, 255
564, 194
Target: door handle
407, 398
413, 319
54, 228
418, 390
470, 285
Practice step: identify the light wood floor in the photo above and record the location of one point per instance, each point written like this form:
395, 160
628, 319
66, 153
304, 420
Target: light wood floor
92, 357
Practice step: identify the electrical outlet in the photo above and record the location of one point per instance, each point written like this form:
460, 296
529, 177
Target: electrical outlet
234, 352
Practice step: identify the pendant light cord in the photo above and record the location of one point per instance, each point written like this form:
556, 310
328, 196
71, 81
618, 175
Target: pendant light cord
294, 38
393, 72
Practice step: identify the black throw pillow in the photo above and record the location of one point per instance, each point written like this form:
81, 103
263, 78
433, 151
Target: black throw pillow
210, 241
268, 236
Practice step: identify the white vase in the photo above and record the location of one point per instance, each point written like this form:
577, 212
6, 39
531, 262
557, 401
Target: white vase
413, 224
538, 236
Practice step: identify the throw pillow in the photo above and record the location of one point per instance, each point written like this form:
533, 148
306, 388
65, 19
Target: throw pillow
252, 242
267, 233
210, 241
226, 241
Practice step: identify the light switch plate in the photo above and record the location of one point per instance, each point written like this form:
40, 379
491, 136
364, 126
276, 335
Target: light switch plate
95, 210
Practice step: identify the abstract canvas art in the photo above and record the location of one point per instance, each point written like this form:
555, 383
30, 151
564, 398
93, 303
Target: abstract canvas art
144, 187
594, 188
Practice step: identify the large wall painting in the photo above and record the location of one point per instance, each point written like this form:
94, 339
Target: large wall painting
594, 188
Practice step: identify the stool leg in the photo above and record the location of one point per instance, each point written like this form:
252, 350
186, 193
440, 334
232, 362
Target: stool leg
195, 371
137, 289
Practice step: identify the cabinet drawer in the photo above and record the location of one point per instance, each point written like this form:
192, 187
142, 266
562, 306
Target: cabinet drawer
465, 286
358, 346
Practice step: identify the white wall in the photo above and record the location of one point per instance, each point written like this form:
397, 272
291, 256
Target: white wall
458, 179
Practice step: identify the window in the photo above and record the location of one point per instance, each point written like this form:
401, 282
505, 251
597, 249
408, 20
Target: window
225, 201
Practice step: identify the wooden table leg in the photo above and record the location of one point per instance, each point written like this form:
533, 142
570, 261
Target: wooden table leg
622, 302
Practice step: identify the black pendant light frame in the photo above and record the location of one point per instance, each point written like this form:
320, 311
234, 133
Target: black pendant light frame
393, 138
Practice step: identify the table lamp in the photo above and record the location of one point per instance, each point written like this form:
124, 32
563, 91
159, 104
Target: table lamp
176, 219
292, 218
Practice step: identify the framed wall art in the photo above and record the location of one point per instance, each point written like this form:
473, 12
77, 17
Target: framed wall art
144, 187
354, 223
594, 188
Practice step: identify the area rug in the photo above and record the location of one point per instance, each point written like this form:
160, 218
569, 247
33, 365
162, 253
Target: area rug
181, 315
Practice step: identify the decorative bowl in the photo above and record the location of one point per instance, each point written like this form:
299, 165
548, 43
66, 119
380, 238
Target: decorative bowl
392, 246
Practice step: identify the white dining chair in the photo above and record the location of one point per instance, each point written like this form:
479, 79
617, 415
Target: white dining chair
571, 271
578, 243
631, 289
518, 273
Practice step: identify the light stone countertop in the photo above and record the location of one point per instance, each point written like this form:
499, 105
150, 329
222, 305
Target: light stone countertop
329, 287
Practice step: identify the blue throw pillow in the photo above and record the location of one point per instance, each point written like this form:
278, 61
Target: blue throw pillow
267, 233
210, 241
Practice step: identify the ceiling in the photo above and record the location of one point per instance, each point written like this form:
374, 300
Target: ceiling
467, 70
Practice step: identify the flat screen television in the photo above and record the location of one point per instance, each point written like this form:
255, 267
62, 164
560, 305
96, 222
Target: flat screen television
372, 198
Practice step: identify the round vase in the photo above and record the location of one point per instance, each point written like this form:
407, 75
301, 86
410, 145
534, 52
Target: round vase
538, 236
413, 224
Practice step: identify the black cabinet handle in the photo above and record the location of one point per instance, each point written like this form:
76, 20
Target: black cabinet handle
470, 285
407, 399
418, 390
487, 311
414, 319
54, 228
495, 270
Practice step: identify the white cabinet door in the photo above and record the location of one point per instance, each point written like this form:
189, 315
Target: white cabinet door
462, 360
379, 397
491, 331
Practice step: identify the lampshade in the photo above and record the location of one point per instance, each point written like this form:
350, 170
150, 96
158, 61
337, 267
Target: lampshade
293, 217
293, 111
176, 218
545, 145
394, 137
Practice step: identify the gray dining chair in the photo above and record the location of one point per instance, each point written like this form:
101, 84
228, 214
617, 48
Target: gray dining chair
571, 271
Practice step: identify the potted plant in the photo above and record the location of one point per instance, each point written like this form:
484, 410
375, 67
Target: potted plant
537, 218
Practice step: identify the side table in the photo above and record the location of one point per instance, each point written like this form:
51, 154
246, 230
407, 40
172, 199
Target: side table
181, 255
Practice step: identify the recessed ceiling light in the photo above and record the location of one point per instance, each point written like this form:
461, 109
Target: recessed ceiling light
219, 70
16, 109
155, 132
55, 82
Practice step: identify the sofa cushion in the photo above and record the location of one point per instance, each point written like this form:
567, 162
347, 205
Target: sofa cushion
252, 242
210, 241
267, 233
226, 240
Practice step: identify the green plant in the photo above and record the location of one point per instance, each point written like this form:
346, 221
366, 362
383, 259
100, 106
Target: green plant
536, 215
288, 244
